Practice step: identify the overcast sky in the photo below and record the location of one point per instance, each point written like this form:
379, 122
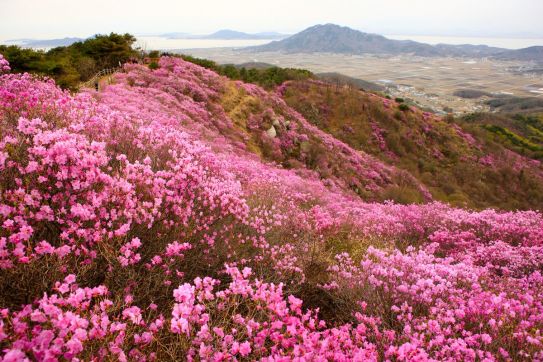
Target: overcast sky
60, 18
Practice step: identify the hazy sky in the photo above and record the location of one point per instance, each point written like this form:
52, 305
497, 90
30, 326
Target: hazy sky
60, 18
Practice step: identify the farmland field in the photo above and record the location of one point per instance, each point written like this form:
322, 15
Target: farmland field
430, 82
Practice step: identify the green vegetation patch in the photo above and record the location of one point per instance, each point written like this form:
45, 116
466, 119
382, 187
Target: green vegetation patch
267, 77
71, 65
514, 138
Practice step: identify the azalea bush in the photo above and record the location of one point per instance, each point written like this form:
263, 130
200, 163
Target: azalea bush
4, 65
144, 222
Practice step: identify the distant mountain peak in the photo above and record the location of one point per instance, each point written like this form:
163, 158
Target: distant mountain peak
333, 38
228, 32
330, 26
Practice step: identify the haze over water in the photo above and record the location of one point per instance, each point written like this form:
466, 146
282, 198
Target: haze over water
155, 42
163, 43
508, 43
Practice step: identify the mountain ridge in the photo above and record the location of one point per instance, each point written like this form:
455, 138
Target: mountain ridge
332, 38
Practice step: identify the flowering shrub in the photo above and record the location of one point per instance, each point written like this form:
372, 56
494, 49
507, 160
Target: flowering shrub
4, 65
446, 309
142, 223
76, 322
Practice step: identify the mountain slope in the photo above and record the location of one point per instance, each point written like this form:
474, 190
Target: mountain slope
456, 166
470, 167
261, 123
520, 133
341, 79
534, 53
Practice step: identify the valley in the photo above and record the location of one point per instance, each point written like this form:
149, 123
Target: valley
429, 81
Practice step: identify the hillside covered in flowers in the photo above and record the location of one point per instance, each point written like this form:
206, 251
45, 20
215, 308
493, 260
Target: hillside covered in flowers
481, 161
179, 215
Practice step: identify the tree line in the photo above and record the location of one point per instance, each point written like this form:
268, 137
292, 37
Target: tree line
76, 63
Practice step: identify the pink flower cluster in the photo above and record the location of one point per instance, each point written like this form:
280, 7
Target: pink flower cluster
446, 309
270, 326
73, 172
186, 245
4, 65
61, 325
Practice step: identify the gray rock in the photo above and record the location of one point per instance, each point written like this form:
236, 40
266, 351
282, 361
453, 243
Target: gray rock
272, 132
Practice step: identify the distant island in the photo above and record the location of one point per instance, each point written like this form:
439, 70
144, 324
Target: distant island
331, 38
227, 34
44, 43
